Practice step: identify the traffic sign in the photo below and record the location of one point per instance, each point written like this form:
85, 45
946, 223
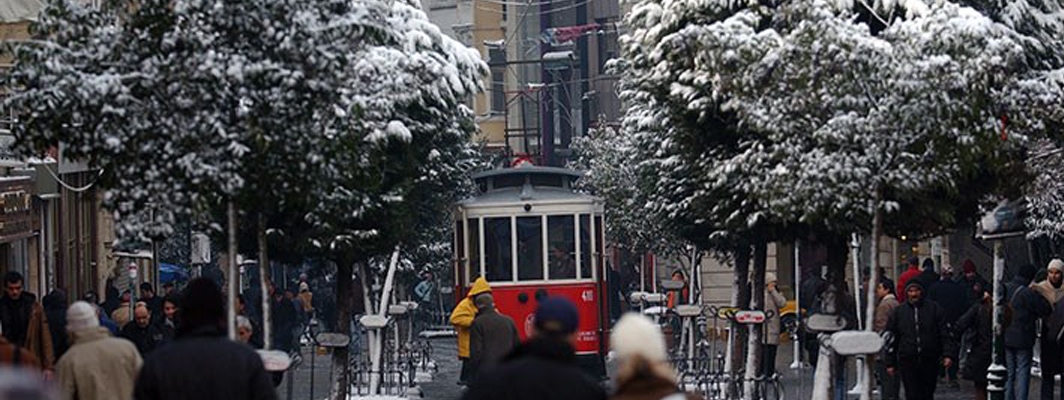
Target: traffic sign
750, 317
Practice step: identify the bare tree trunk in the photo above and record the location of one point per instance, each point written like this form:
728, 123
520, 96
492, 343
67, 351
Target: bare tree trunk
740, 299
757, 302
264, 279
233, 271
340, 362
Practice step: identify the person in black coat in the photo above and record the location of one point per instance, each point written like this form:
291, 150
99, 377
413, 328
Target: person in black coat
545, 366
55, 306
284, 320
491, 337
976, 329
203, 364
953, 297
927, 276
1025, 307
147, 336
922, 342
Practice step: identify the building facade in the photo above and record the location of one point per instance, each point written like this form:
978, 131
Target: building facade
53, 229
549, 81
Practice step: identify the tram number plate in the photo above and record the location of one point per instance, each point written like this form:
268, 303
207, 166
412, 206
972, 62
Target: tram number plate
587, 295
750, 317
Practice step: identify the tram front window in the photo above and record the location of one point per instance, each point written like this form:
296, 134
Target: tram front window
562, 247
498, 258
529, 248
474, 248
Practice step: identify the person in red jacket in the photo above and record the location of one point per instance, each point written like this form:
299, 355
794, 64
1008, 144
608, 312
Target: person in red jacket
912, 272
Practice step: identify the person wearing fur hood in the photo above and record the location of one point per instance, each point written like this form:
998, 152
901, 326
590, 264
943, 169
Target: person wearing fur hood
643, 371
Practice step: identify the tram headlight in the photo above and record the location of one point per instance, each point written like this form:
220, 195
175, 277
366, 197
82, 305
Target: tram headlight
528, 207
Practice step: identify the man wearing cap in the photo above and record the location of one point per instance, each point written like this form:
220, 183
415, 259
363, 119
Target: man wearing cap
975, 283
1053, 291
462, 319
491, 337
921, 343
544, 367
1026, 307
97, 366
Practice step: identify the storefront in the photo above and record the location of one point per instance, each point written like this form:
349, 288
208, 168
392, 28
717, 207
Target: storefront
16, 225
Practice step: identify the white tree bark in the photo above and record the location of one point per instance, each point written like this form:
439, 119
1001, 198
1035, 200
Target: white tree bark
264, 279
233, 272
757, 302
377, 336
873, 280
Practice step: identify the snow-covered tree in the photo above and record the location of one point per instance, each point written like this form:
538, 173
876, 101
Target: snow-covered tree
333, 120
609, 159
760, 120
1045, 212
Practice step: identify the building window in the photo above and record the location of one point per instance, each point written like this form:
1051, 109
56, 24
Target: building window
497, 61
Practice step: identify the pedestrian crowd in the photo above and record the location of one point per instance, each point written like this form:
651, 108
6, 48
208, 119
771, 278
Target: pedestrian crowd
151, 348
941, 330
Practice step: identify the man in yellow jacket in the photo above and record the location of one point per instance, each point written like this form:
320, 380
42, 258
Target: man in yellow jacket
462, 319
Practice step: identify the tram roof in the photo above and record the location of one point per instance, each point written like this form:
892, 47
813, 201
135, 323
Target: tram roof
491, 192
526, 169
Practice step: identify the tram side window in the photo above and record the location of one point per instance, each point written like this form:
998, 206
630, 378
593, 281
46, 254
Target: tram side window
474, 248
600, 239
498, 258
561, 247
585, 246
529, 248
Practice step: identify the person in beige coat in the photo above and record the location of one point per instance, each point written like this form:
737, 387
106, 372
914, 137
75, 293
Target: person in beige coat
774, 301
97, 366
886, 303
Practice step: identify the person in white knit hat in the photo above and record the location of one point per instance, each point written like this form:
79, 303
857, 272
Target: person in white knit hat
1050, 356
97, 366
643, 370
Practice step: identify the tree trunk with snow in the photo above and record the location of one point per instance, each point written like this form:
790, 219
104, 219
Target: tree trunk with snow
822, 379
757, 302
740, 299
264, 279
867, 382
340, 357
376, 350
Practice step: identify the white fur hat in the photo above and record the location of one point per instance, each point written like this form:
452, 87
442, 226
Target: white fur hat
635, 335
81, 316
770, 277
1056, 264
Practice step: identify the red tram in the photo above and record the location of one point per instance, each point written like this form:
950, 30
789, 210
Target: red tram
531, 235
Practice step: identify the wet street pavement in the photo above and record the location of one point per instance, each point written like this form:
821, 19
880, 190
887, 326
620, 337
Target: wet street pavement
797, 383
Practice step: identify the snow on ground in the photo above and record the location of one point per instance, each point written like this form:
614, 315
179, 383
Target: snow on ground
436, 334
